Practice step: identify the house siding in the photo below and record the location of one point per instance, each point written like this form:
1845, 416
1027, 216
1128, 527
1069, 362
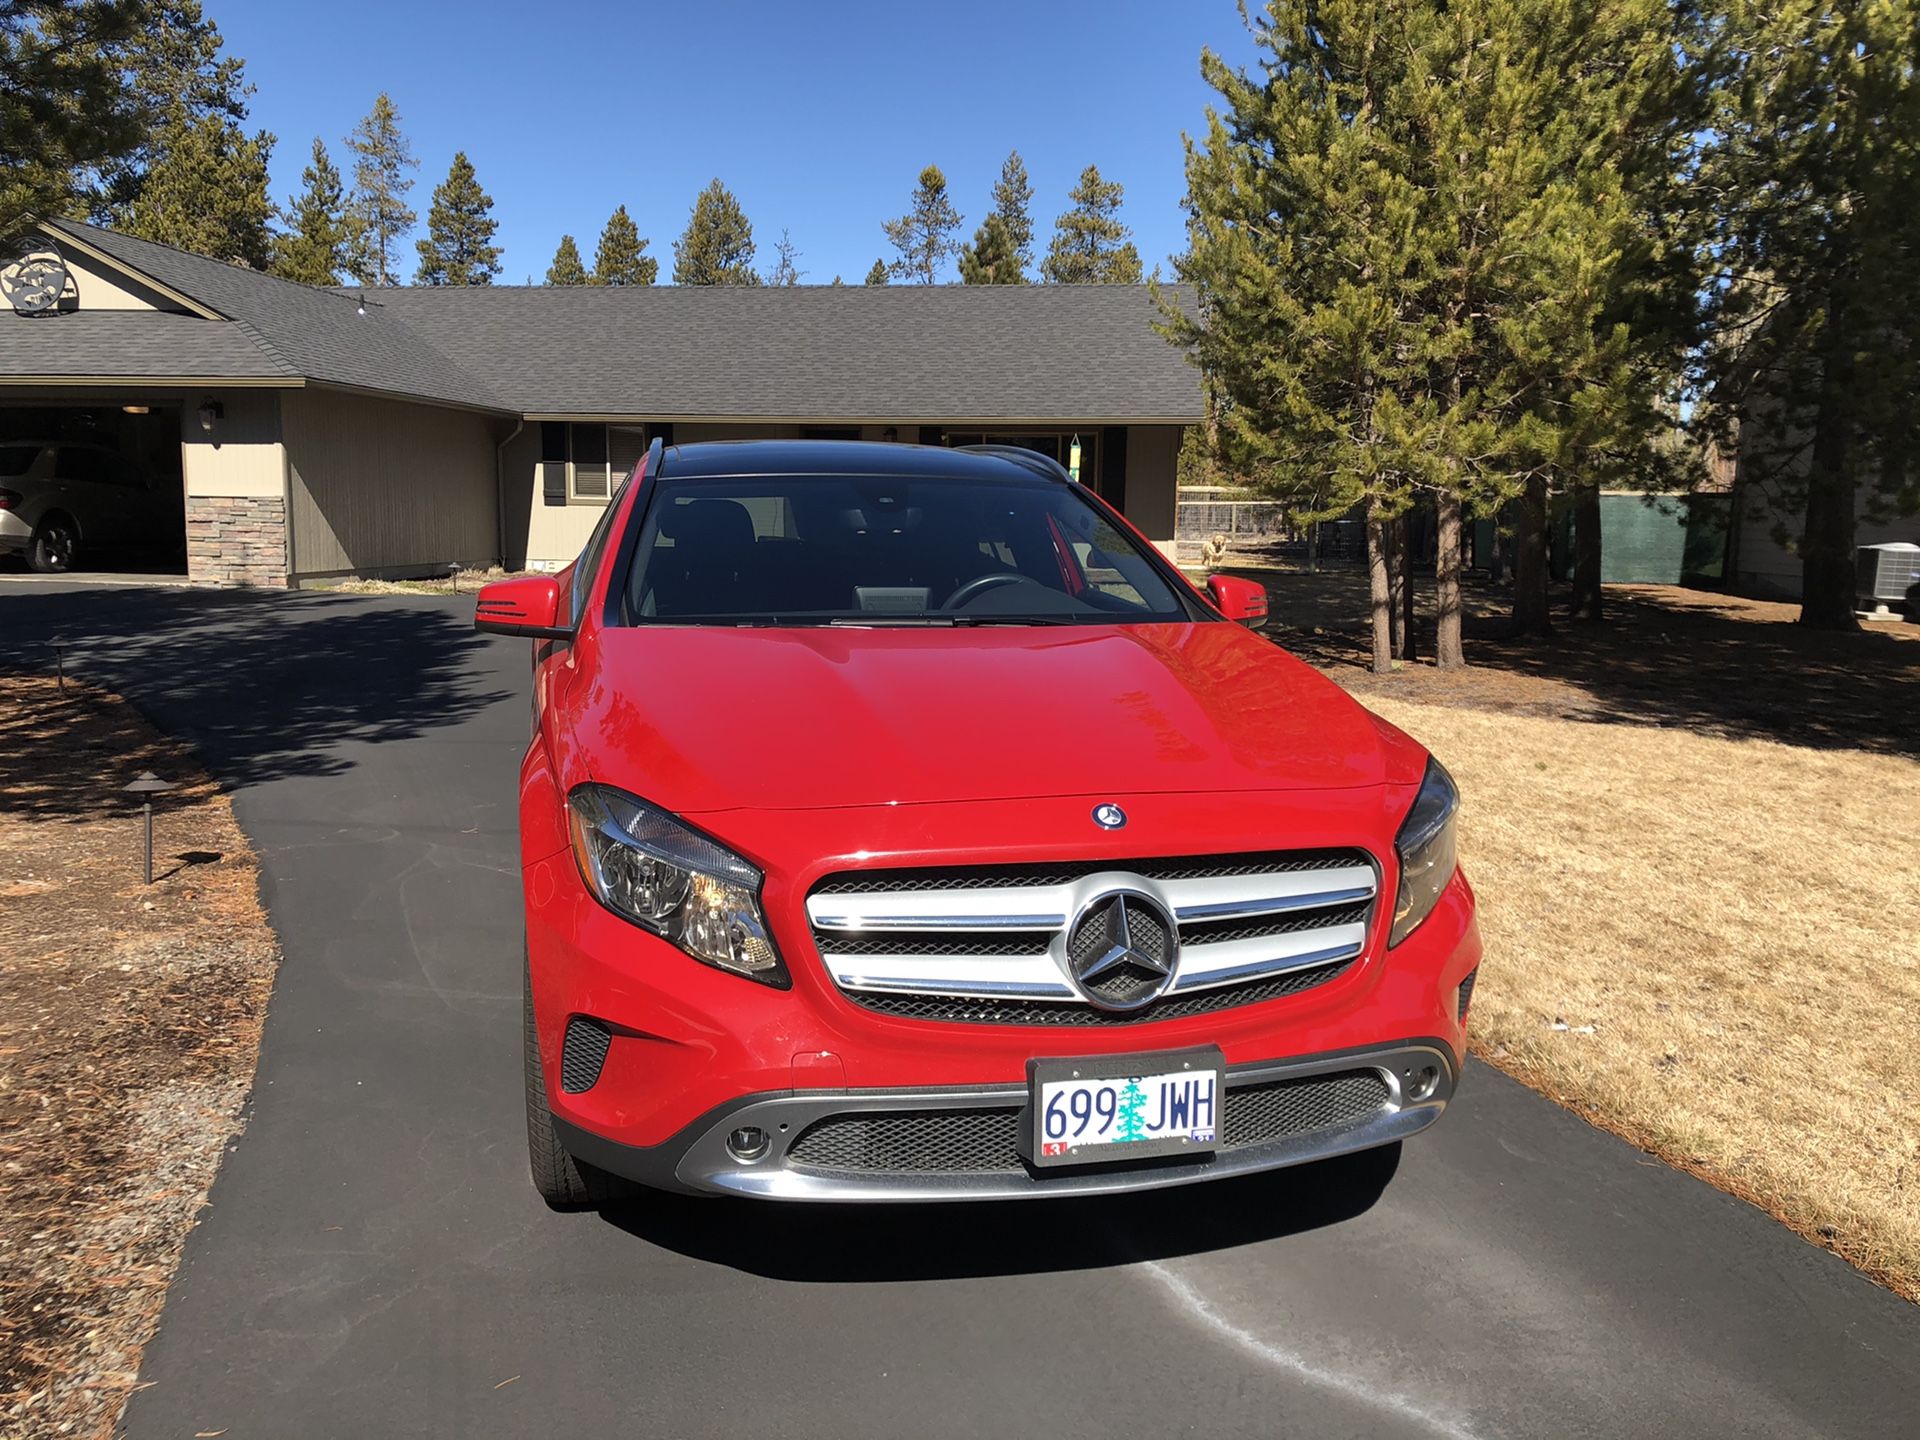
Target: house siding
387, 487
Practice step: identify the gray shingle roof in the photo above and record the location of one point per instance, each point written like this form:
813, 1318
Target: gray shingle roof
855, 352
131, 344
944, 352
312, 332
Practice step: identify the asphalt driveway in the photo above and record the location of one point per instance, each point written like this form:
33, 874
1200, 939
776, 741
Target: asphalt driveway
375, 1262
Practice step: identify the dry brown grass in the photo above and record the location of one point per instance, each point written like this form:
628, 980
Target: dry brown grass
129, 1024
1709, 945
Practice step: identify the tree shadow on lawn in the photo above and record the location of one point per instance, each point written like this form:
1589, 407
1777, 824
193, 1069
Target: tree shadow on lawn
884, 1244
1663, 656
264, 685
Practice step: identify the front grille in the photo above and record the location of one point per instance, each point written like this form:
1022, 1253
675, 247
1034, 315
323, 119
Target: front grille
1037, 944
1186, 867
1040, 1012
986, 1140
582, 1054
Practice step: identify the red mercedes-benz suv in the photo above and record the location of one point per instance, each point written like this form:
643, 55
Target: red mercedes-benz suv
899, 825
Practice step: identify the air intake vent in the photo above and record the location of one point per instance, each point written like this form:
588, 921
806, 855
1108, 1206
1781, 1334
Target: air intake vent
1466, 993
583, 1054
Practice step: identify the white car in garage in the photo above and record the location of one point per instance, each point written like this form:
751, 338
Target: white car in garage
61, 500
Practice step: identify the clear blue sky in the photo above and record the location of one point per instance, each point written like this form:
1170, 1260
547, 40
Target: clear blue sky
818, 115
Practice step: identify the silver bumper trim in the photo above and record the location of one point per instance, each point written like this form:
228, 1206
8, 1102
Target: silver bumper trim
706, 1165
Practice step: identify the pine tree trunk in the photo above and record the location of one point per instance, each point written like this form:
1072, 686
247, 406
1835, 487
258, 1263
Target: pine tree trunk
1448, 652
1530, 614
1313, 547
1586, 553
1496, 553
1409, 636
1397, 586
1826, 547
1380, 602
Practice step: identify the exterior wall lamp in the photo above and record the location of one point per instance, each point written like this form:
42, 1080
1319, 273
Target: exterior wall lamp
210, 411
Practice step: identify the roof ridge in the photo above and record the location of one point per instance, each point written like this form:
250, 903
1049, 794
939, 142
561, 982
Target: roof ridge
300, 285
264, 345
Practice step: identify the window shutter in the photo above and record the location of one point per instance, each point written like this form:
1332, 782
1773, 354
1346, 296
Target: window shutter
1113, 467
553, 462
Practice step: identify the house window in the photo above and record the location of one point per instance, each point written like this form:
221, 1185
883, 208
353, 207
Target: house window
583, 462
1055, 445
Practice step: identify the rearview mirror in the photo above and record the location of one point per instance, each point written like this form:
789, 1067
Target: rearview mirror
1238, 599
528, 607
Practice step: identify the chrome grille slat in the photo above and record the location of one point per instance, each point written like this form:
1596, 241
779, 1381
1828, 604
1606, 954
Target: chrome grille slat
998, 933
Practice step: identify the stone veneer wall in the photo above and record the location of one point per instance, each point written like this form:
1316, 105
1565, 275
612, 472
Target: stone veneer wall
237, 540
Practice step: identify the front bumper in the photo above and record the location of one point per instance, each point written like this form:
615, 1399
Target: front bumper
699, 1159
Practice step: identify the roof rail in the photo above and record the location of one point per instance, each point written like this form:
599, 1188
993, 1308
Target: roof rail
1032, 460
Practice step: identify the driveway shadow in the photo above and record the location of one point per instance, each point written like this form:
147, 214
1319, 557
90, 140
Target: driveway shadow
265, 685
885, 1244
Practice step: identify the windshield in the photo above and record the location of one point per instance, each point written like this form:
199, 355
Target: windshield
872, 550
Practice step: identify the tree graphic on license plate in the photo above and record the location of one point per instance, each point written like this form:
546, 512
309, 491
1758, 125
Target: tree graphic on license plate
1129, 1123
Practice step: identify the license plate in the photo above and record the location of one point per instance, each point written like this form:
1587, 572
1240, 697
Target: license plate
1124, 1107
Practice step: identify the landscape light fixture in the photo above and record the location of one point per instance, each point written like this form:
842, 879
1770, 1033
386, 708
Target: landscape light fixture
210, 411
147, 785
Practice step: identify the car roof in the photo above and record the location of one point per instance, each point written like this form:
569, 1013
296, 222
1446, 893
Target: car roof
712, 459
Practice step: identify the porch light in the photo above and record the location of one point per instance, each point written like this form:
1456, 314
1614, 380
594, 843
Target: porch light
210, 411
1073, 458
135, 409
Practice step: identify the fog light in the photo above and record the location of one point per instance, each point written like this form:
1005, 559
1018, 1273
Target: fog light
749, 1142
1422, 1086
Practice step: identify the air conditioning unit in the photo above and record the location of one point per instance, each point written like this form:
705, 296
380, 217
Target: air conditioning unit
1883, 574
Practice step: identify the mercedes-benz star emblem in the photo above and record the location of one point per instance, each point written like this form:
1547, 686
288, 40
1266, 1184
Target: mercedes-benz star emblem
1109, 816
1122, 951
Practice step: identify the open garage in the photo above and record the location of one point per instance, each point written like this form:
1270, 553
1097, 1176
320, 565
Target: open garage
90, 485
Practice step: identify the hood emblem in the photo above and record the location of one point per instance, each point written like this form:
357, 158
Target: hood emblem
1122, 950
1109, 816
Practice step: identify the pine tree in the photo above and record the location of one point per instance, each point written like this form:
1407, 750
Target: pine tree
66, 110
1013, 203
178, 77
566, 268
924, 235
206, 191
458, 247
381, 216
878, 274
621, 258
1129, 1113
1816, 318
1422, 242
991, 259
314, 250
784, 271
1090, 245
717, 248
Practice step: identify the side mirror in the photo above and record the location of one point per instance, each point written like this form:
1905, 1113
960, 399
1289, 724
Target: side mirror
1238, 599
528, 607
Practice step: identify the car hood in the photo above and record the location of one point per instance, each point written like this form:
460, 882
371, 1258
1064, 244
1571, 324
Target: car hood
702, 719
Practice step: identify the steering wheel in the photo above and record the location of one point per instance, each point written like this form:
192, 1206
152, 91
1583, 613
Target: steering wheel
979, 585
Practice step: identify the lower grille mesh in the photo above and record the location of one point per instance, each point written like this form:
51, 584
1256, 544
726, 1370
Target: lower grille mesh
986, 1141
584, 1052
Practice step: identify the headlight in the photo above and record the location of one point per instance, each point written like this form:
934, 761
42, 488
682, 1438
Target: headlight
1425, 845
647, 867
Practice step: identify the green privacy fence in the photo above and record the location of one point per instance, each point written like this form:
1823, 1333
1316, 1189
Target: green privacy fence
1645, 539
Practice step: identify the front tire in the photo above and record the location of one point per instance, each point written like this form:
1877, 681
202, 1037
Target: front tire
54, 545
563, 1182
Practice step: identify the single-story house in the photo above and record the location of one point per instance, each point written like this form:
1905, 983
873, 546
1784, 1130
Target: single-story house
329, 432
